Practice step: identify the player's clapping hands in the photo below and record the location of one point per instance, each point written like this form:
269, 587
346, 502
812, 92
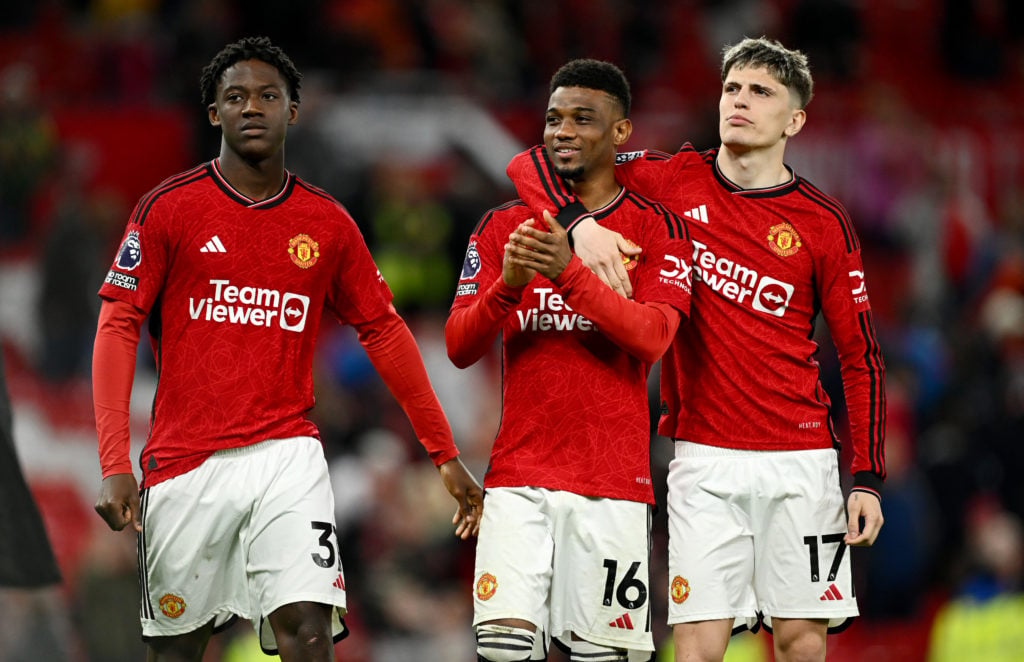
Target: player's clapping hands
531, 247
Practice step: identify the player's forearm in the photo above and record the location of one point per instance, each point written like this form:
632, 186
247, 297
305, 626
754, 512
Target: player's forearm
541, 188
471, 330
863, 373
645, 330
393, 352
113, 371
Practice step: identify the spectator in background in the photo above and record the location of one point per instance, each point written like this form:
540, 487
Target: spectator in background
982, 621
73, 259
28, 145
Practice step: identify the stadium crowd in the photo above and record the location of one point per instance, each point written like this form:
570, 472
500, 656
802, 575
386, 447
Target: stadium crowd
918, 129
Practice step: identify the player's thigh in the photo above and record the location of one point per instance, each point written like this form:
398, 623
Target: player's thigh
514, 554
701, 641
711, 539
601, 583
191, 559
803, 565
293, 552
183, 647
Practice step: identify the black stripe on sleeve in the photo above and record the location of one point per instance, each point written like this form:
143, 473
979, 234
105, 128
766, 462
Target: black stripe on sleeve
548, 179
831, 205
876, 418
486, 218
142, 209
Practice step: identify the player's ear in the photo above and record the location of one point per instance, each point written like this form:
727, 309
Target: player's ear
796, 122
293, 112
622, 130
213, 115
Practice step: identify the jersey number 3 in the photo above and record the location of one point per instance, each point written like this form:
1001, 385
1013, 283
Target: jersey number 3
328, 540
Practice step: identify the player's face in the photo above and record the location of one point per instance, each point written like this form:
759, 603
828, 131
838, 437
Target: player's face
582, 129
756, 111
253, 109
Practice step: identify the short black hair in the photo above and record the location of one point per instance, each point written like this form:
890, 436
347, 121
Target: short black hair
249, 48
594, 75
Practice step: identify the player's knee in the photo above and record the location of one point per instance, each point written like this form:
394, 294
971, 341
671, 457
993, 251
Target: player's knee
503, 643
800, 647
588, 651
313, 637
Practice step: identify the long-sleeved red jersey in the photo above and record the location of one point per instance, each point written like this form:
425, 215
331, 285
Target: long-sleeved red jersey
235, 290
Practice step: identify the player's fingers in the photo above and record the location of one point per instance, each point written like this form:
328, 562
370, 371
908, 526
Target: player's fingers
111, 513
629, 248
553, 224
133, 513
610, 278
869, 532
620, 273
460, 523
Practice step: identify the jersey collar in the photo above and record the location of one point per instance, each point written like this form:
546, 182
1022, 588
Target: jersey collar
233, 193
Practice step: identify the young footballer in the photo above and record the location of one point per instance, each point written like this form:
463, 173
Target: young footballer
234, 262
565, 538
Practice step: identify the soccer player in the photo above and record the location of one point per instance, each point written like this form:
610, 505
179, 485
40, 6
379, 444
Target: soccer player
565, 538
756, 512
235, 262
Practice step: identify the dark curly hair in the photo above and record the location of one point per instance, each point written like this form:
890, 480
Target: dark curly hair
594, 75
249, 48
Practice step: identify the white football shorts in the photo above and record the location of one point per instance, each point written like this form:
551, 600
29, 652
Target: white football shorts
568, 564
249, 530
757, 534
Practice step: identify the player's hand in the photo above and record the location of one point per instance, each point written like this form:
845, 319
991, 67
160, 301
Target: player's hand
602, 251
862, 505
512, 273
467, 492
547, 253
118, 502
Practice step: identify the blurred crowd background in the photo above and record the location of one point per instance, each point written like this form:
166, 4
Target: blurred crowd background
410, 111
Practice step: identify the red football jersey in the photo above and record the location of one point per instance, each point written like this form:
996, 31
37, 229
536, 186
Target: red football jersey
575, 413
741, 372
235, 290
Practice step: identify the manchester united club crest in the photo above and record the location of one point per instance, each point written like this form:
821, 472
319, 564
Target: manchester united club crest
486, 586
783, 239
629, 261
303, 251
172, 605
680, 590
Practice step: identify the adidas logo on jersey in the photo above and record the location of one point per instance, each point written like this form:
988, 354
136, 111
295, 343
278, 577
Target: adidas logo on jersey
624, 622
831, 594
698, 213
339, 583
213, 246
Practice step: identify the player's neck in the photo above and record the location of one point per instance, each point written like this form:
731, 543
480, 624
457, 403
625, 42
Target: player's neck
596, 194
754, 169
256, 180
